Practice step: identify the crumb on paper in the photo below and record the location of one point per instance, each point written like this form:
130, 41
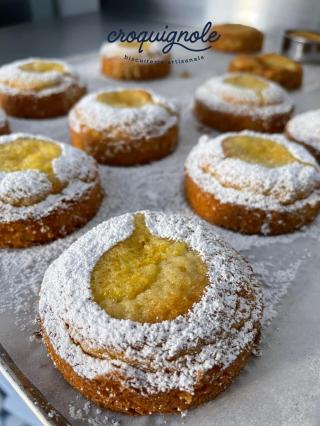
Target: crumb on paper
185, 74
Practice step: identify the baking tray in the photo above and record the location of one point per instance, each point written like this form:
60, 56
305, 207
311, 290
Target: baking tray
282, 386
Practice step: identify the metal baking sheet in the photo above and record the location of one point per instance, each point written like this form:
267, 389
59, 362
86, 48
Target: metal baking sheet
282, 386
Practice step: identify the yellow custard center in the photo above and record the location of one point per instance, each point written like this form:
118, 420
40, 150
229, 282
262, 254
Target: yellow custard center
255, 150
147, 278
30, 154
42, 66
247, 81
125, 98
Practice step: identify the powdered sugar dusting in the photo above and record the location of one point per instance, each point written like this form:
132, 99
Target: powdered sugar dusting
305, 128
20, 186
150, 120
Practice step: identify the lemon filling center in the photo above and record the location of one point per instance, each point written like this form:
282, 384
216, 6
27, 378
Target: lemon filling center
42, 67
125, 98
255, 150
146, 278
31, 154
247, 81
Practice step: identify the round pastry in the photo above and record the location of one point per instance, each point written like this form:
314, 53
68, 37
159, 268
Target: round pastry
305, 35
237, 38
123, 61
239, 101
124, 127
253, 183
4, 125
150, 312
47, 189
278, 68
39, 88
305, 129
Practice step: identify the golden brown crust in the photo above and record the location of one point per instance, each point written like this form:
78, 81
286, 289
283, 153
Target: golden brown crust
280, 69
59, 223
237, 38
122, 69
134, 151
28, 105
108, 392
242, 219
5, 128
226, 121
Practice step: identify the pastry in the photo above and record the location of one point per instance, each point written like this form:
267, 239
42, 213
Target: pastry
4, 125
149, 313
123, 61
305, 129
47, 189
236, 38
253, 183
124, 127
278, 68
305, 35
239, 101
39, 88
